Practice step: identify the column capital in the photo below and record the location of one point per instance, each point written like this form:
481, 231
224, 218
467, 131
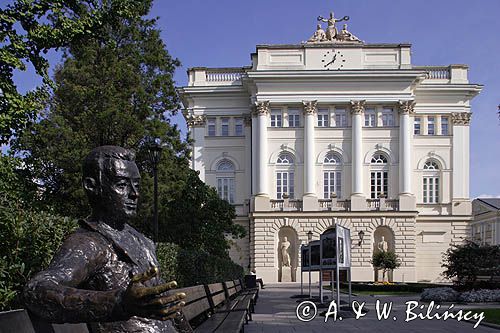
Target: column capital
247, 119
406, 106
358, 107
261, 108
310, 107
195, 120
461, 118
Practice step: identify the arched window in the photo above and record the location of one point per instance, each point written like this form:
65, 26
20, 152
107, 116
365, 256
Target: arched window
430, 182
285, 175
225, 180
379, 176
332, 175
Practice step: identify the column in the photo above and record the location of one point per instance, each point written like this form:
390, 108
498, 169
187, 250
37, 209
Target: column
249, 144
460, 163
309, 200
254, 153
262, 111
196, 126
358, 201
407, 199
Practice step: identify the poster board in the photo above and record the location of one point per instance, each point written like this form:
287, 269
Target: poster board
315, 251
305, 257
329, 249
344, 246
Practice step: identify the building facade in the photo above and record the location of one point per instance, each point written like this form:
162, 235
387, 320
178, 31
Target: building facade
337, 131
486, 221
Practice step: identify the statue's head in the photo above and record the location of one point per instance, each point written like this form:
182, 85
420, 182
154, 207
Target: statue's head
111, 181
318, 27
332, 15
285, 239
383, 238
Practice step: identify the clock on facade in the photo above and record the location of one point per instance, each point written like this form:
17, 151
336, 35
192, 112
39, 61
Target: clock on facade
333, 59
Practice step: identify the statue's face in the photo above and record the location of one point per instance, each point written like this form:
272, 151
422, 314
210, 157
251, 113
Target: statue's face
285, 239
120, 189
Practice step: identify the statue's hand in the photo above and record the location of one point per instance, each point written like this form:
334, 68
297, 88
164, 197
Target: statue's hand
147, 302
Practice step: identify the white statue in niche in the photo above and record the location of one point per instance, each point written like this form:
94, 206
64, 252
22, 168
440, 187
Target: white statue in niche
382, 245
285, 256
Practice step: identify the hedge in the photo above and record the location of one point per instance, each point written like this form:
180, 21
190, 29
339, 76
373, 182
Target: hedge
190, 267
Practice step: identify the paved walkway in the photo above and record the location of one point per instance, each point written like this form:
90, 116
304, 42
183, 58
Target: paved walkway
275, 313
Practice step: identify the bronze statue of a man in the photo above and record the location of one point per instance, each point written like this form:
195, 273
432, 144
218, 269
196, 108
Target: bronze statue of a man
105, 274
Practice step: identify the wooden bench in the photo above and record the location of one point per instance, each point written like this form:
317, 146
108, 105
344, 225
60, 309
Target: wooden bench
219, 307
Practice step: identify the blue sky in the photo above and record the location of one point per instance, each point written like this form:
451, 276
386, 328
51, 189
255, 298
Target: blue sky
223, 33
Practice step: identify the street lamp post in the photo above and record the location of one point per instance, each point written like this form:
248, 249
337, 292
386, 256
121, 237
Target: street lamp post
154, 152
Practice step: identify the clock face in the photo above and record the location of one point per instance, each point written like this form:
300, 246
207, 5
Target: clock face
333, 59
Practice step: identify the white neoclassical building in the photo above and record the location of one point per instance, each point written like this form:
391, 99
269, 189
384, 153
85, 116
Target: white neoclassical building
486, 221
337, 131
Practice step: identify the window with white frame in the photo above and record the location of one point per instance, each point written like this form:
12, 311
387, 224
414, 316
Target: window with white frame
340, 118
430, 183
238, 126
431, 130
388, 118
370, 118
225, 180
293, 118
416, 126
285, 181
224, 127
211, 126
445, 126
332, 175
323, 116
276, 120
379, 176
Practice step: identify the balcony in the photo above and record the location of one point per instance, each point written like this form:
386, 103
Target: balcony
286, 205
382, 204
338, 205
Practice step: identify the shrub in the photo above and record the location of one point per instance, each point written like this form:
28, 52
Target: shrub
444, 294
386, 261
29, 240
465, 262
191, 267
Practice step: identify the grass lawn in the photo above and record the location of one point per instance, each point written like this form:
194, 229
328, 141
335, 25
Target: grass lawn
490, 315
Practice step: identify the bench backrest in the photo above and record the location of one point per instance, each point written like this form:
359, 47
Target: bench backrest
196, 300
230, 288
217, 293
237, 285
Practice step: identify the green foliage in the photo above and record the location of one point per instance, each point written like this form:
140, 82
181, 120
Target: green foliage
29, 29
190, 267
463, 263
386, 261
197, 218
29, 236
111, 90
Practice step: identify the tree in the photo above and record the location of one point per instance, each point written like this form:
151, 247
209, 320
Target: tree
29, 29
386, 261
111, 90
116, 90
463, 263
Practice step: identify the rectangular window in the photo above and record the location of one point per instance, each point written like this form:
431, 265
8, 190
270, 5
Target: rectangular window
416, 126
431, 190
276, 118
225, 188
224, 129
379, 184
293, 118
430, 126
370, 119
211, 126
387, 118
238, 126
285, 184
444, 126
340, 118
323, 118
332, 183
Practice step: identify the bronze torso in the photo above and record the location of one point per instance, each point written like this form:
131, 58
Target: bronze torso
84, 280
